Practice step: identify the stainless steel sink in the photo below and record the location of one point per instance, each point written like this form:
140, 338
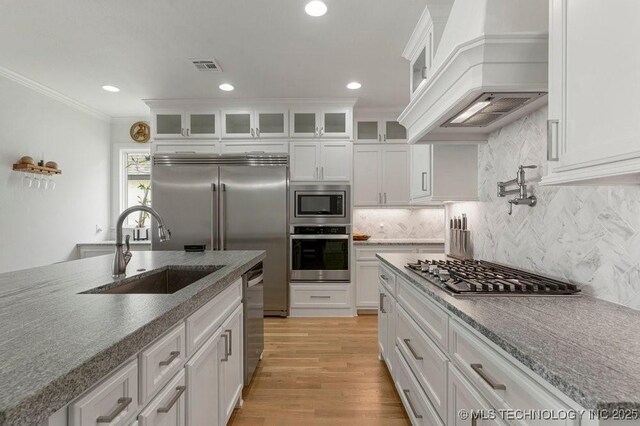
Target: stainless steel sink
166, 281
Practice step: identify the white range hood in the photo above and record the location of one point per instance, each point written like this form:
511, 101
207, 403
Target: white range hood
488, 67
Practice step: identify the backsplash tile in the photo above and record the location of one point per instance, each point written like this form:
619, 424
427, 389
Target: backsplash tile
423, 223
588, 235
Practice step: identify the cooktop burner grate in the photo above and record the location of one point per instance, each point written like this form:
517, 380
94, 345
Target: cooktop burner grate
479, 277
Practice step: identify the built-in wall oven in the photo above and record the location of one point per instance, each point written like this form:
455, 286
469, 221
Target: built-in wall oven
320, 253
323, 204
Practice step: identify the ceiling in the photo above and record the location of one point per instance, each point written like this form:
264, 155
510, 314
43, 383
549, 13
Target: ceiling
266, 48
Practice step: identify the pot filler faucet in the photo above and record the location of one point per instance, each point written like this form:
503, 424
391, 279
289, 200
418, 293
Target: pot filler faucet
521, 190
122, 258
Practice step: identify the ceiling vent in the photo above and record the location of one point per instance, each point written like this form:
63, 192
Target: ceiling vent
490, 107
206, 65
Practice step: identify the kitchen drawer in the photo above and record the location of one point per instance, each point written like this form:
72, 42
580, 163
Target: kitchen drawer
427, 362
416, 403
116, 398
160, 361
501, 382
369, 253
181, 148
204, 322
319, 296
431, 318
464, 398
387, 279
168, 408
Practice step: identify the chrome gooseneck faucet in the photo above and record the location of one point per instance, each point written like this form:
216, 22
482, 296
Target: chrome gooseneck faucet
521, 190
122, 258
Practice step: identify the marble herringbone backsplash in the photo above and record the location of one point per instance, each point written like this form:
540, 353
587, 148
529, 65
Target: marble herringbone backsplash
588, 235
400, 223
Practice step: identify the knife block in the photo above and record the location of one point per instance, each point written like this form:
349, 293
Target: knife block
460, 244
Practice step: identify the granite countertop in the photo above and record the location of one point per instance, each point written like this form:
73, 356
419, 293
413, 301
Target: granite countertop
113, 243
56, 343
398, 242
586, 347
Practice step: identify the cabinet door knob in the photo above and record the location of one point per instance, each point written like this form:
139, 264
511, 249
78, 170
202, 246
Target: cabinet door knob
252, 134
187, 132
379, 138
182, 131
257, 132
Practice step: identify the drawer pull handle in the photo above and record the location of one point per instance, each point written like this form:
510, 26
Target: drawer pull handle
384, 277
123, 403
413, 410
382, 296
413, 352
230, 342
172, 357
226, 344
320, 297
478, 369
173, 401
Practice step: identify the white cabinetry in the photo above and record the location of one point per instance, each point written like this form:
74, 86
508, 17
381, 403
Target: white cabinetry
247, 123
168, 408
202, 378
319, 122
592, 128
320, 161
375, 129
443, 173
381, 175
178, 123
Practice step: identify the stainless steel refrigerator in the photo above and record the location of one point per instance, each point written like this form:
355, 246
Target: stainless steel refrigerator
228, 202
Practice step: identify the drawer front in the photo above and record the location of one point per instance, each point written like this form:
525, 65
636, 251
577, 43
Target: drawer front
415, 402
115, 400
387, 279
181, 148
320, 296
204, 322
464, 398
168, 408
432, 319
502, 383
369, 253
161, 361
427, 362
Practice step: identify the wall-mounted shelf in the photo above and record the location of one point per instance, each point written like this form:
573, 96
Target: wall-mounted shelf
31, 168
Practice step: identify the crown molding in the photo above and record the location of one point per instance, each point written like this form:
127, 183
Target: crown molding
53, 94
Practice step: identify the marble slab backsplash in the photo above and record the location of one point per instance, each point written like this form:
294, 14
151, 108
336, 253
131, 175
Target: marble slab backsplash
427, 223
587, 235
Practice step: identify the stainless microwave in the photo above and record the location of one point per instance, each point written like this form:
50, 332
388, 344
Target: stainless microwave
320, 204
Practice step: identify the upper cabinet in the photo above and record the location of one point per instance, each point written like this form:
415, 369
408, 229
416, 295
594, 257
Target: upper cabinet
255, 124
381, 175
182, 124
319, 122
379, 128
592, 133
320, 161
443, 172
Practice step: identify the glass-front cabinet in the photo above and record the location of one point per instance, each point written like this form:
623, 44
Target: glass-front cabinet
312, 122
180, 124
238, 123
255, 124
379, 129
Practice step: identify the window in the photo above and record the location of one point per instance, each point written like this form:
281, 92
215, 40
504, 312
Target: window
135, 185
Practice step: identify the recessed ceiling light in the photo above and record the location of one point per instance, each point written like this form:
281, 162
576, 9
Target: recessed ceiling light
315, 8
354, 85
110, 88
226, 87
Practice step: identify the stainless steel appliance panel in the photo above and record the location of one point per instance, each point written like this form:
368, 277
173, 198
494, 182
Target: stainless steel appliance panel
253, 216
183, 194
331, 203
253, 298
320, 253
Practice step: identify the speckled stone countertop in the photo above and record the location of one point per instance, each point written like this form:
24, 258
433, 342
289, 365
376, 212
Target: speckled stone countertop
397, 242
56, 343
586, 347
113, 243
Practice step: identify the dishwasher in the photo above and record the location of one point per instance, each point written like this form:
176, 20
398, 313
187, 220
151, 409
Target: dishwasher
253, 298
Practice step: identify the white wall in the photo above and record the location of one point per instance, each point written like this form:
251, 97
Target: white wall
39, 227
588, 235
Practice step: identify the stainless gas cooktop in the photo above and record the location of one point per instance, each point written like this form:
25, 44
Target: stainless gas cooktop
481, 278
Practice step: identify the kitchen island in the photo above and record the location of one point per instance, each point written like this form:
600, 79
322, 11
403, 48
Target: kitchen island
565, 354
57, 342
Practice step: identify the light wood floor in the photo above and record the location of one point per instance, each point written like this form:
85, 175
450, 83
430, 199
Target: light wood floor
321, 372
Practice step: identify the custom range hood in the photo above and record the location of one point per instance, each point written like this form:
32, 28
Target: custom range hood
487, 65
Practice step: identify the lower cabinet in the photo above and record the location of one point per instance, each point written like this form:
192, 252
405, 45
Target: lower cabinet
202, 388
168, 407
446, 373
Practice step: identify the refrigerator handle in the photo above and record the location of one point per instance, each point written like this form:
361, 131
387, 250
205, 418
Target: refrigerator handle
214, 214
223, 189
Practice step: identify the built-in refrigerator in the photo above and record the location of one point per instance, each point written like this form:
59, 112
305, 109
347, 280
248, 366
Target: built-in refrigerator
228, 202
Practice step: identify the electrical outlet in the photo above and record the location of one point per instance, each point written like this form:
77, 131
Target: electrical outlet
98, 229
382, 226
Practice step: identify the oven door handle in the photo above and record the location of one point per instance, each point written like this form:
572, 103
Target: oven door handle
319, 237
